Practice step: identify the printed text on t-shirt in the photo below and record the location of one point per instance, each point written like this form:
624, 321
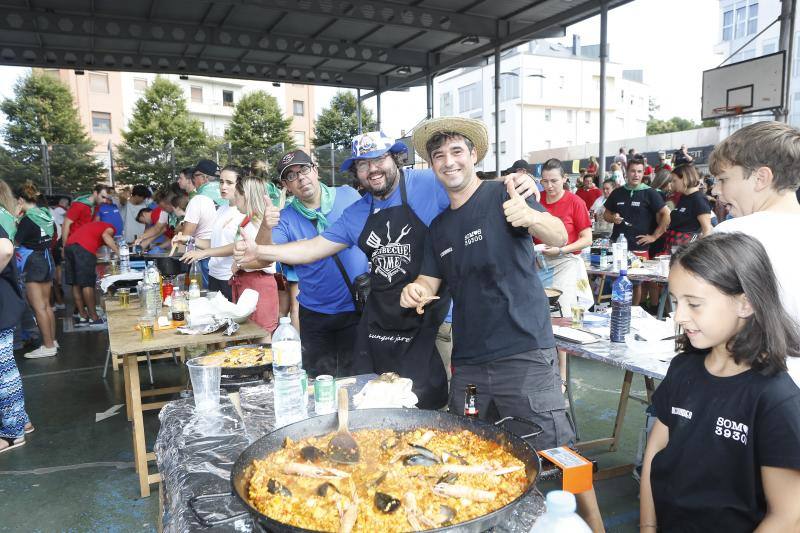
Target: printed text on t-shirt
472, 237
731, 430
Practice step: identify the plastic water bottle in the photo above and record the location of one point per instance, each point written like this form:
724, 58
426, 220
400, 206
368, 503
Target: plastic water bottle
124, 257
603, 259
621, 252
288, 374
621, 298
560, 516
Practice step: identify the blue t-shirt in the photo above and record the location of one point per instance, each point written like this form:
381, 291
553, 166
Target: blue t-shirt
109, 213
426, 197
322, 288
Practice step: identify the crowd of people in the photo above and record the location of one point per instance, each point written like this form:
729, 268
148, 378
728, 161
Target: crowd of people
434, 274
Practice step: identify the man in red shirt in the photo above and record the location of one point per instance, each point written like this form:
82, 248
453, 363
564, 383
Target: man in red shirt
589, 192
663, 164
82, 211
80, 257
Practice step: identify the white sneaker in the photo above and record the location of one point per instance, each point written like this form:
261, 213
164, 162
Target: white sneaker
55, 343
40, 352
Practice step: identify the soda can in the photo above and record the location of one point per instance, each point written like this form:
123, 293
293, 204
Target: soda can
324, 395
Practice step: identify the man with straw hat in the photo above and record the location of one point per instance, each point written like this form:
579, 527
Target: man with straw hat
390, 225
481, 248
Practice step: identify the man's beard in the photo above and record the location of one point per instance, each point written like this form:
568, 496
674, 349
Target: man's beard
389, 178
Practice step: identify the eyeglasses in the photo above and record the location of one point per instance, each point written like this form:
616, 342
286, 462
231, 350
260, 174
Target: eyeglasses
291, 176
365, 163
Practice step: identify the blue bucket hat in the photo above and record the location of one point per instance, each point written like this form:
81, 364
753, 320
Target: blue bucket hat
371, 145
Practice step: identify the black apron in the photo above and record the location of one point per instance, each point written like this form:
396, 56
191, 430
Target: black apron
392, 338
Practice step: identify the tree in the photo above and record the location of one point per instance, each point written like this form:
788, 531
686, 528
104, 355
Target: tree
257, 125
161, 136
656, 126
42, 107
338, 124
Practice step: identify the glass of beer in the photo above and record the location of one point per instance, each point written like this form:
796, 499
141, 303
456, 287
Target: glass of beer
577, 316
146, 327
124, 297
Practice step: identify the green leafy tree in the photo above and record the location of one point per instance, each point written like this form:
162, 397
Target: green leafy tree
42, 107
656, 126
256, 126
161, 137
338, 123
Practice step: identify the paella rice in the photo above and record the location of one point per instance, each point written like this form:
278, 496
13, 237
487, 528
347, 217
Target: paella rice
239, 357
413, 481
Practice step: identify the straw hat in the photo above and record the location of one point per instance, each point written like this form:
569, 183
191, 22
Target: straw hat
472, 129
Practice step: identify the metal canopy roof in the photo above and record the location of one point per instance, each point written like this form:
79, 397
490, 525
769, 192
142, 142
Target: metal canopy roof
366, 44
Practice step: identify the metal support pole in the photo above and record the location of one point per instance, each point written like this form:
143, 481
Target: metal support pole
358, 111
601, 160
429, 95
786, 43
497, 111
378, 105
110, 162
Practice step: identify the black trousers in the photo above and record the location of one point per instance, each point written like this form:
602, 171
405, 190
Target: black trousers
328, 342
220, 285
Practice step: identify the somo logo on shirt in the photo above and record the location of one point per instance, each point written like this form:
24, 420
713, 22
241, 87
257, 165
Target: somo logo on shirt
473, 237
731, 429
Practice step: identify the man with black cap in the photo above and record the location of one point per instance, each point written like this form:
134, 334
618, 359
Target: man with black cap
481, 249
328, 317
202, 208
389, 224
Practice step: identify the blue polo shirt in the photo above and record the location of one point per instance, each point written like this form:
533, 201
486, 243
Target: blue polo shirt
426, 196
110, 214
322, 288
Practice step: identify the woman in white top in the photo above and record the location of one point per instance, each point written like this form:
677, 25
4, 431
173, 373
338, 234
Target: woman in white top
219, 247
250, 200
601, 227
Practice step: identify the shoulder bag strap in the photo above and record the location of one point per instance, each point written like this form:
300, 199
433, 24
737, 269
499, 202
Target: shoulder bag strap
343, 271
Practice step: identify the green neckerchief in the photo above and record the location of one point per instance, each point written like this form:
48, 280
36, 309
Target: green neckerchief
9, 223
327, 196
86, 199
42, 218
211, 190
274, 193
172, 220
640, 187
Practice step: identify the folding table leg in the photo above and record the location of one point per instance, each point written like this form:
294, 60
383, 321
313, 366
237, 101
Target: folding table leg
149, 367
623, 406
108, 360
139, 448
571, 401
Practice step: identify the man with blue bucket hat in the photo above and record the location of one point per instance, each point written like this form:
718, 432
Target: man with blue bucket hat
390, 225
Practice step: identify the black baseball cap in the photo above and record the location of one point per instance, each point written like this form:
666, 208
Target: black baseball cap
207, 167
295, 157
520, 164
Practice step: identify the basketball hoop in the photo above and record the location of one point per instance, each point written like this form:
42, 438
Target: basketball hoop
729, 110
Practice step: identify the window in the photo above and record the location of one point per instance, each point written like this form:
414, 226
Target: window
139, 85
299, 108
727, 25
197, 95
300, 138
587, 116
548, 144
477, 114
227, 98
101, 122
548, 115
502, 116
752, 19
98, 82
469, 98
494, 148
740, 22
569, 116
446, 104
502, 147
770, 47
509, 85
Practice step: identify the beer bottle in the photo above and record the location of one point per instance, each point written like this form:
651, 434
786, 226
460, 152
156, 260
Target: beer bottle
471, 401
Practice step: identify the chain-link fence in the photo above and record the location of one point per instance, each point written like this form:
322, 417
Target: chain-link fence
70, 170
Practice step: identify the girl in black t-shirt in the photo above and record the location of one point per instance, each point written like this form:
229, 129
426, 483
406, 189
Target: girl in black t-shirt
34, 235
724, 453
691, 217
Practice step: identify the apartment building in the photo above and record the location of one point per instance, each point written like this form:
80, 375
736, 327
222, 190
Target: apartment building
549, 97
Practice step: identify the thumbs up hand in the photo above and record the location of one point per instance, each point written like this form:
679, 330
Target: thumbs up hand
524, 184
516, 210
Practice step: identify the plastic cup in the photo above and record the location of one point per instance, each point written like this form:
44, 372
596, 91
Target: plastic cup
147, 327
124, 297
577, 316
205, 384
663, 265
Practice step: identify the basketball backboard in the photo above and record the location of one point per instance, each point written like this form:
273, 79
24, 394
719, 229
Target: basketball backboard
745, 87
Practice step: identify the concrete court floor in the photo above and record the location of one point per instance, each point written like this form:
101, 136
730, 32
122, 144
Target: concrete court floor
75, 474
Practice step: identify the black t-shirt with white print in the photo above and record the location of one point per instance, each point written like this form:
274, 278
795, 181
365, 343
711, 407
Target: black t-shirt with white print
639, 209
684, 217
722, 430
499, 304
